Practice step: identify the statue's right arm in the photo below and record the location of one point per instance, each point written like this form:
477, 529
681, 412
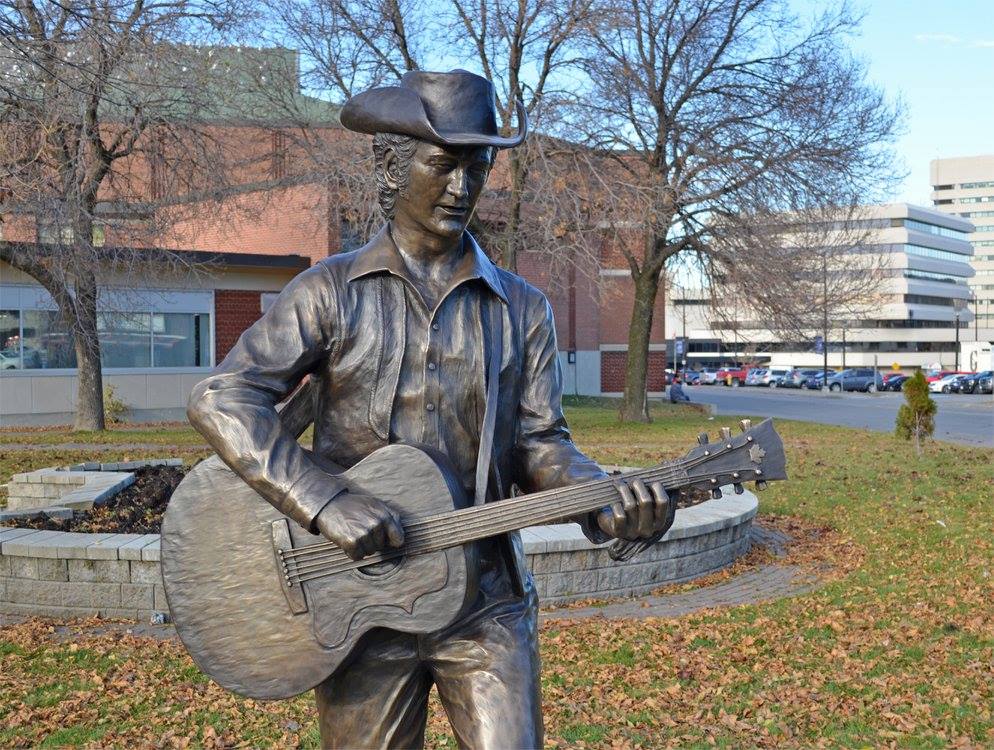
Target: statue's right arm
234, 408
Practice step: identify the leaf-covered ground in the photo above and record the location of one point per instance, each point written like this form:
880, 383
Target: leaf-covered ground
897, 651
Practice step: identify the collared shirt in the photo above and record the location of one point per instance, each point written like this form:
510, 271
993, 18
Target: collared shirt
437, 397
351, 323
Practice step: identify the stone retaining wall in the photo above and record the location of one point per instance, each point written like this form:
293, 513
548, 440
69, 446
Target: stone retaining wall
58, 574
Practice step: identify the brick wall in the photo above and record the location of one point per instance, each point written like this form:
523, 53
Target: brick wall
234, 311
613, 371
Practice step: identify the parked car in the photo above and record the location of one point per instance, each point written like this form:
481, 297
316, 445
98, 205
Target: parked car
733, 376
864, 379
9, 360
816, 381
692, 377
969, 383
774, 376
957, 384
985, 384
755, 376
942, 384
708, 376
933, 375
895, 382
797, 378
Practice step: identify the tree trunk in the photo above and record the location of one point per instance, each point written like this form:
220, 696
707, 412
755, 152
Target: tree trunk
635, 404
519, 173
89, 377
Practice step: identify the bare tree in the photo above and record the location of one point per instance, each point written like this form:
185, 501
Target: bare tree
527, 48
720, 111
106, 109
531, 49
828, 274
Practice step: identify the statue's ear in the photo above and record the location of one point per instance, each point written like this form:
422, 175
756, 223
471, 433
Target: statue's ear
391, 169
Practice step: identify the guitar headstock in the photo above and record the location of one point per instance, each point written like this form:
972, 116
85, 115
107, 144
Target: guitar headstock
756, 454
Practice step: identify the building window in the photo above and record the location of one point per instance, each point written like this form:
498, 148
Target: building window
39, 340
923, 226
925, 299
181, 340
973, 185
942, 187
931, 252
45, 341
914, 273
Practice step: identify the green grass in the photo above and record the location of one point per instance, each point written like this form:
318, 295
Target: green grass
899, 651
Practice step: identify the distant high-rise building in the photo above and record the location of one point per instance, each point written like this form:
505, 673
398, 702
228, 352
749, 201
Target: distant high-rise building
964, 186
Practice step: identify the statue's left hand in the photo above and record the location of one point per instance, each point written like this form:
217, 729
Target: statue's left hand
642, 511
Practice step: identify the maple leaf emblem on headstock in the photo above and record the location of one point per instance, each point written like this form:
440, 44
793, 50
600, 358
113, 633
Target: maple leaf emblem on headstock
756, 454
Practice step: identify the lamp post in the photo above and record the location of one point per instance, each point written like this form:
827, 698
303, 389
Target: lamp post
956, 366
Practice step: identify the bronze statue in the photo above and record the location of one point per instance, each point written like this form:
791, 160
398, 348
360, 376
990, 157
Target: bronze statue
416, 338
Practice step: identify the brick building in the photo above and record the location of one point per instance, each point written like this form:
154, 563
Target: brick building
276, 219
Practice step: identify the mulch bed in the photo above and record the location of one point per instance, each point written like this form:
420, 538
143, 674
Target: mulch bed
137, 509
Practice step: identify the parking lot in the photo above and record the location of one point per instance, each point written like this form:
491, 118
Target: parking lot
967, 419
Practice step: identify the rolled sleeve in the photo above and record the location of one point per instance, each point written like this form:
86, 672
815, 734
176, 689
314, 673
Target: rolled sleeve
545, 455
234, 408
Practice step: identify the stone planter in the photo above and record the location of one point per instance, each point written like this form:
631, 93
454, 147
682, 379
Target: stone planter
58, 574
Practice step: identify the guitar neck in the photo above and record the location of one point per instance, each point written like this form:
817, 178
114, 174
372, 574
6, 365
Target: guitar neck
563, 504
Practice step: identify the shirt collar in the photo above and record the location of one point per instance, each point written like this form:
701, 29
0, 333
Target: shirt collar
381, 254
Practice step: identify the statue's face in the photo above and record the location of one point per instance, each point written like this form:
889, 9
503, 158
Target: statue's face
443, 187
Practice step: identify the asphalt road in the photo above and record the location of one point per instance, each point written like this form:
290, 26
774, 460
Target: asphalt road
967, 419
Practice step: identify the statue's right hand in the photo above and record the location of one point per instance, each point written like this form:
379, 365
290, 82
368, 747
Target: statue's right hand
360, 524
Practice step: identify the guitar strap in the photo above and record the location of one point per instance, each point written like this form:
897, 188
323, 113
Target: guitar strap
493, 342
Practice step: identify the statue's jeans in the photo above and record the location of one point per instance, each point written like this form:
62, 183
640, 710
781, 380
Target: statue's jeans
486, 668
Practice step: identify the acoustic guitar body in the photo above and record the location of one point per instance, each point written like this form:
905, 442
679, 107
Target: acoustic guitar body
256, 636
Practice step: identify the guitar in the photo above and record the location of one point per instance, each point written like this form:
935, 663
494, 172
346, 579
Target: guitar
269, 610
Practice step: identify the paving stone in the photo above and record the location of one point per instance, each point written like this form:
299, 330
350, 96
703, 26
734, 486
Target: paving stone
35, 544
73, 545
138, 595
159, 598
99, 571
145, 571
30, 591
133, 550
151, 551
91, 594
109, 548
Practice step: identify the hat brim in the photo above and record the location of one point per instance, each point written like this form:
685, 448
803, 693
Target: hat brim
395, 109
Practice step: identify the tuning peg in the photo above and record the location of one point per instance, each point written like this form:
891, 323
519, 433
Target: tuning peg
702, 438
745, 424
739, 489
761, 484
726, 433
716, 493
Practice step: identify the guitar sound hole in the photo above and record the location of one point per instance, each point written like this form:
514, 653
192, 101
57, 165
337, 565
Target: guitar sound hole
377, 570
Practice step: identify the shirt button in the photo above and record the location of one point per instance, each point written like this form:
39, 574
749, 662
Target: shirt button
434, 326
430, 407
431, 365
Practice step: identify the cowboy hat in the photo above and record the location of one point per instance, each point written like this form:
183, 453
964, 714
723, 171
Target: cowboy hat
457, 108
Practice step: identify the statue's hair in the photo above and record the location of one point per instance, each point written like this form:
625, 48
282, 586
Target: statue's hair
403, 147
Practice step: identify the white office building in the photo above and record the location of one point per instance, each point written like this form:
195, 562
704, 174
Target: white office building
913, 323
964, 187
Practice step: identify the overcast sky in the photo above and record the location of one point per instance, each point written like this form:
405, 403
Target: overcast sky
938, 56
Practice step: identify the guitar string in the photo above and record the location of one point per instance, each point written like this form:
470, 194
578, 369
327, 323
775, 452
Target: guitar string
496, 515
494, 511
468, 532
427, 542
524, 500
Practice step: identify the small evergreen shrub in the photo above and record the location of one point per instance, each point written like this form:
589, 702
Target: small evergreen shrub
916, 417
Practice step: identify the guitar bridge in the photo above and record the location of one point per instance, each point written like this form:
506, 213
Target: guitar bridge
282, 543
